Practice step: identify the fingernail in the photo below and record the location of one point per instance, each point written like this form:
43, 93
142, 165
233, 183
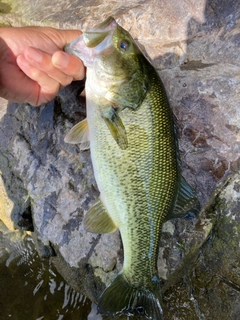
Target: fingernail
61, 60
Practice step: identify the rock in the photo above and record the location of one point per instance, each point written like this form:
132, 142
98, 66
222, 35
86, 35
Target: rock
210, 289
195, 47
6, 205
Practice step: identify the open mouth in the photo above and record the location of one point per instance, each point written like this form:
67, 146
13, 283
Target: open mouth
92, 42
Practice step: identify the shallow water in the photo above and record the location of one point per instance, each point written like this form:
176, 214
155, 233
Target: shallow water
31, 288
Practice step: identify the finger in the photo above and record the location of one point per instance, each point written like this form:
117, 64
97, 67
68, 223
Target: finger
43, 61
47, 86
70, 65
61, 37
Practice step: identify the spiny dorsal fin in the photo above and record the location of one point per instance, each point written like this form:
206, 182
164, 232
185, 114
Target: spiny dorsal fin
186, 201
79, 134
116, 127
97, 219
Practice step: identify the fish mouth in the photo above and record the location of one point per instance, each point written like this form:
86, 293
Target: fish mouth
106, 25
93, 41
94, 36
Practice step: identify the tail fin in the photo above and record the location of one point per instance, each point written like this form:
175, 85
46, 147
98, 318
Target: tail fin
121, 298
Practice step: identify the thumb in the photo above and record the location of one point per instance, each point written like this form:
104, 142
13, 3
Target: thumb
62, 37
68, 64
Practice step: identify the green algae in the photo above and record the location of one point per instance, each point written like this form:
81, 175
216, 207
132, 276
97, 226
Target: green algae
8, 6
5, 8
8, 12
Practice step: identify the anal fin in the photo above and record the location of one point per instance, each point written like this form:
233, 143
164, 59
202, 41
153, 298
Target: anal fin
97, 219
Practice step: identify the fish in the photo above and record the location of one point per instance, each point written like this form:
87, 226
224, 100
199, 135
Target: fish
131, 132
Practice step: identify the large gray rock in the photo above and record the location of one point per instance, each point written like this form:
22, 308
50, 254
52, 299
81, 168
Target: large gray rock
195, 47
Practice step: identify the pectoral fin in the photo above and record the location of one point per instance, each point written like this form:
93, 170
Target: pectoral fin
97, 219
116, 127
187, 201
79, 134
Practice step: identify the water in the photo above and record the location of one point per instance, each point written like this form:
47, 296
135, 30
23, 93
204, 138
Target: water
31, 288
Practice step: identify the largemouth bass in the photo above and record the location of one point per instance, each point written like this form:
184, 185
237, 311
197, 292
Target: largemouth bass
131, 131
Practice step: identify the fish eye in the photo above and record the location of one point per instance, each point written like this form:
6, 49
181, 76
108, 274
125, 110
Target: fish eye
123, 45
141, 310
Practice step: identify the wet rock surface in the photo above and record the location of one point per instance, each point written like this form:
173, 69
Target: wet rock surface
48, 185
211, 288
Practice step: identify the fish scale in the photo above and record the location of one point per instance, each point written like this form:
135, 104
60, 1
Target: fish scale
149, 167
135, 159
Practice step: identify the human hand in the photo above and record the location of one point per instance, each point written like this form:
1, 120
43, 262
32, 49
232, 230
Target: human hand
33, 66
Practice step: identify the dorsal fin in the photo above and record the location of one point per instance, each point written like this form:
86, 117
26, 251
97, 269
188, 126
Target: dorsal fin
186, 201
